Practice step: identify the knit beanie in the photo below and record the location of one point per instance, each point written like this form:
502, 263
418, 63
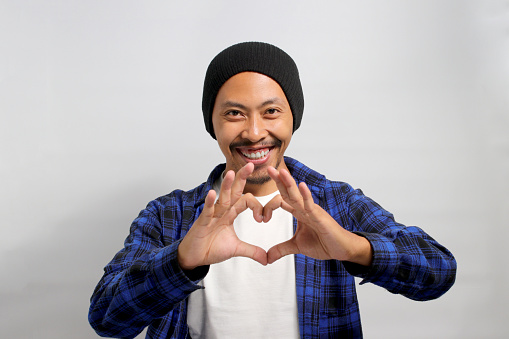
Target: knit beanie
253, 57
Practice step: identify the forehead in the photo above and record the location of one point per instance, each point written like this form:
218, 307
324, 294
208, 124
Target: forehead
250, 86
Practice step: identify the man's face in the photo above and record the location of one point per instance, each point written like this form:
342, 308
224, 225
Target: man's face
253, 123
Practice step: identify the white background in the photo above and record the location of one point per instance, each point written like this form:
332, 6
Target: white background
100, 105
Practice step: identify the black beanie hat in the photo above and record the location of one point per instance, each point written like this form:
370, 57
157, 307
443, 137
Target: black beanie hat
253, 57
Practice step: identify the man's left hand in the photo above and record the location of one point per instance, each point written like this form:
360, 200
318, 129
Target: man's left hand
318, 235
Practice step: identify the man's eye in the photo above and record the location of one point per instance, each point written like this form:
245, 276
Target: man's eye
233, 113
272, 111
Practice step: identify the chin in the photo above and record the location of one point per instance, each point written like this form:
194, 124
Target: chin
258, 180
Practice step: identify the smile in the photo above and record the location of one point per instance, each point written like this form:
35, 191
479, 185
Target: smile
257, 156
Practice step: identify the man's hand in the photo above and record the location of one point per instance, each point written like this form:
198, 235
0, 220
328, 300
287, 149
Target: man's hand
212, 238
318, 235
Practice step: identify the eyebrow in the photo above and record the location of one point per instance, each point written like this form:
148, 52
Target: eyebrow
274, 100
233, 104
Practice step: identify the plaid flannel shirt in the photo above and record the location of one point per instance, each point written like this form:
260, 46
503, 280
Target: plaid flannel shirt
143, 285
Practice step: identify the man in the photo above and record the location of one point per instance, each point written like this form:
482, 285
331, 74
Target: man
198, 264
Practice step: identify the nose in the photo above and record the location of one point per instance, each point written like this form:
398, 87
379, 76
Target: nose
255, 128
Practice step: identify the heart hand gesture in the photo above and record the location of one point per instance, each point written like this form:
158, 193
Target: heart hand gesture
212, 238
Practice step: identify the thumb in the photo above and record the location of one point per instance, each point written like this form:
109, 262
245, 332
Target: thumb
280, 250
251, 251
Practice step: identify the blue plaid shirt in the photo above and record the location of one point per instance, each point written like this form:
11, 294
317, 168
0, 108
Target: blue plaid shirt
144, 286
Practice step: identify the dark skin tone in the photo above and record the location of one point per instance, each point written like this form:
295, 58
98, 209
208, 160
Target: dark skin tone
252, 115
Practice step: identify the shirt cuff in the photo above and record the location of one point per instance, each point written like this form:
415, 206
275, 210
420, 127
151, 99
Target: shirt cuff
385, 259
169, 276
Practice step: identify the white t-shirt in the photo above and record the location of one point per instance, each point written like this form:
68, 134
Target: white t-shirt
242, 298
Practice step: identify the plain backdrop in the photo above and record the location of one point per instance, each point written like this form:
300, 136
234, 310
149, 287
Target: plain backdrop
100, 105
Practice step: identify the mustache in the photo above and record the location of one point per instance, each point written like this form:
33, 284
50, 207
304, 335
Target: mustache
247, 143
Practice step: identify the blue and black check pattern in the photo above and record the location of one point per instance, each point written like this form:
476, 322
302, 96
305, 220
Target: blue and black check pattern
144, 286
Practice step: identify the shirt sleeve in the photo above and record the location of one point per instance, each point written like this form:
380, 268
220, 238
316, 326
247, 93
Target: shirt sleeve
406, 260
143, 282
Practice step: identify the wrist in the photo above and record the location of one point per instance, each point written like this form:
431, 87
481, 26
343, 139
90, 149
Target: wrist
181, 258
363, 252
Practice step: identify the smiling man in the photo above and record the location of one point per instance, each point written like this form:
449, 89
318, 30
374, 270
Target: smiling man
253, 123
266, 247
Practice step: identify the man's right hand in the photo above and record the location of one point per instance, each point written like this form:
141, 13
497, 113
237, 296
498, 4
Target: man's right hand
212, 238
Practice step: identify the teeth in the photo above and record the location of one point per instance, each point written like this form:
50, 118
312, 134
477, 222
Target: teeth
257, 155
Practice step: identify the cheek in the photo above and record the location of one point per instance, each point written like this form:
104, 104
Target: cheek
282, 130
224, 142
224, 146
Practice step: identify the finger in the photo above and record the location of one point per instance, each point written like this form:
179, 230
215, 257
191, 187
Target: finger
317, 216
276, 176
273, 173
240, 182
274, 204
245, 202
293, 195
208, 208
253, 204
224, 200
278, 251
309, 203
251, 251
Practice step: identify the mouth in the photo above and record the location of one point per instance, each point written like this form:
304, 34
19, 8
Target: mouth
257, 156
